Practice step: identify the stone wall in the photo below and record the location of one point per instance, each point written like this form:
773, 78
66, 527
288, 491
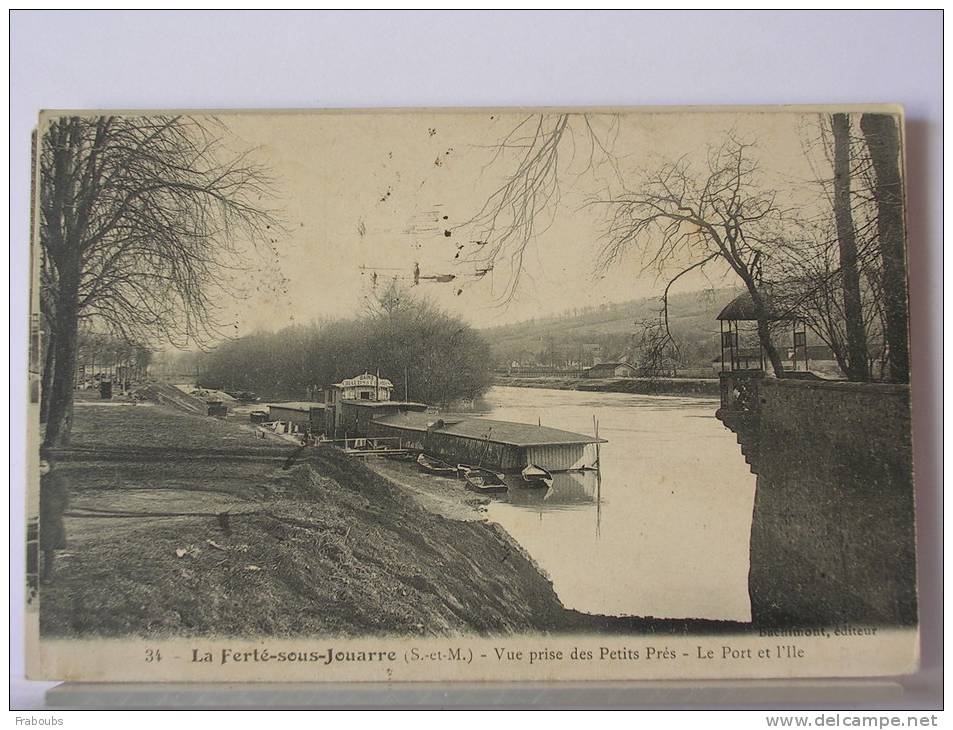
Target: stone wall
832, 538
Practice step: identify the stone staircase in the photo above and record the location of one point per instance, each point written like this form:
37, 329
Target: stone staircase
746, 427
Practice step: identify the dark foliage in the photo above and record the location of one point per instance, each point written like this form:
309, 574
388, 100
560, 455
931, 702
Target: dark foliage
429, 355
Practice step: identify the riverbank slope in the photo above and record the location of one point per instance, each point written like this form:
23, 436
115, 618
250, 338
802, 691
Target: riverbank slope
325, 547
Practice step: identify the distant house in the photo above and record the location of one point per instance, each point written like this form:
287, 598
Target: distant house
362, 387
612, 370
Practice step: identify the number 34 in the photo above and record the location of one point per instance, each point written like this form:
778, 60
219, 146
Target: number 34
153, 655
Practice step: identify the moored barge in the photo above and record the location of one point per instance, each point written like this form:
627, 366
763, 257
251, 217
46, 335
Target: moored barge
500, 445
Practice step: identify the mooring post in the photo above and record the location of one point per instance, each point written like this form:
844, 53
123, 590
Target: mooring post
595, 430
598, 501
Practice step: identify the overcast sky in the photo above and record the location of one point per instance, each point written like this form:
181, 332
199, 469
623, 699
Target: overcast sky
364, 192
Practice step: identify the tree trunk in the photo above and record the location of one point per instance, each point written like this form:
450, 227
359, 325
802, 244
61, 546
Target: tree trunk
858, 365
60, 409
764, 337
883, 141
46, 380
764, 331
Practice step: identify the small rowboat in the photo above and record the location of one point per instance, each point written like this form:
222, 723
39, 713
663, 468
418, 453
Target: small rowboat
435, 466
537, 476
482, 480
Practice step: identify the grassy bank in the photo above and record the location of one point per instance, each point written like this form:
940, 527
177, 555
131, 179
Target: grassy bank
326, 547
701, 387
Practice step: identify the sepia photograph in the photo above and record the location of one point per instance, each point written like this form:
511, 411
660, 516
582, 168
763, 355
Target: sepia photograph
470, 394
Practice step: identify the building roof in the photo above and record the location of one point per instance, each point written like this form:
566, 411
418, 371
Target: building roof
612, 365
382, 403
484, 429
741, 309
304, 406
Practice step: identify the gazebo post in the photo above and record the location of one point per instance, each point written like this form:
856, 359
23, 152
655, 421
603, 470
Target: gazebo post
807, 365
794, 341
721, 325
738, 345
800, 340
736, 341
731, 347
735, 362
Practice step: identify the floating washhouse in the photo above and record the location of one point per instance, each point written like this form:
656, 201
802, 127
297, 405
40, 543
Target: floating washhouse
352, 404
501, 445
347, 409
361, 408
303, 415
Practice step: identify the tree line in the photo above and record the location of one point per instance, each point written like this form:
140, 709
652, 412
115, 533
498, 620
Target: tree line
103, 355
429, 355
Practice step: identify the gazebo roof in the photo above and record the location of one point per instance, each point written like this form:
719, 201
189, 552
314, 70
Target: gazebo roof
741, 309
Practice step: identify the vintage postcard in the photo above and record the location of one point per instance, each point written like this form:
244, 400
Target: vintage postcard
470, 394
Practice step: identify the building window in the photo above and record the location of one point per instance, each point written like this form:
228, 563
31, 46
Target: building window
365, 395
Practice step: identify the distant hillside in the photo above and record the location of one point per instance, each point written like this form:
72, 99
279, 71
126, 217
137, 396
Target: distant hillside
607, 331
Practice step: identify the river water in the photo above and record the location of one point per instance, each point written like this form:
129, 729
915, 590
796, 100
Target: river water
661, 531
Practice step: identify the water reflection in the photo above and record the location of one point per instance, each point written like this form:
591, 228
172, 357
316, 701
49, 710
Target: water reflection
569, 491
662, 530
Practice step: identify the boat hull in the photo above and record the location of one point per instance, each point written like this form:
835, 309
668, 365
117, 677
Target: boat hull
482, 481
435, 466
536, 477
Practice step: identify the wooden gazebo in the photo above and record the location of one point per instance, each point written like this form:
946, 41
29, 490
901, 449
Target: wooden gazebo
741, 309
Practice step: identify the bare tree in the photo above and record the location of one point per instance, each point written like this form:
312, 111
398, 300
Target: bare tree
140, 219
656, 348
883, 140
547, 148
387, 301
684, 217
858, 367
832, 261
679, 217
693, 217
